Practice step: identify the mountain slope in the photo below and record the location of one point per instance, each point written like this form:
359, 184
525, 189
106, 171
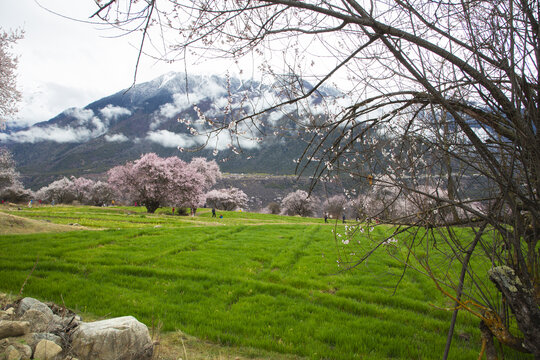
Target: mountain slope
121, 127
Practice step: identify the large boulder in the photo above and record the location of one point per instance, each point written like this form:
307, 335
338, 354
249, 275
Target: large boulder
122, 338
13, 328
39, 321
30, 303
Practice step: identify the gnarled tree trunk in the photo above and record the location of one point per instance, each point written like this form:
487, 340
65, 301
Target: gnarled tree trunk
523, 304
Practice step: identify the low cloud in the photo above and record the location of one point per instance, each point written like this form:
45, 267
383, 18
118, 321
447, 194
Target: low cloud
116, 138
85, 128
171, 140
82, 115
213, 89
222, 141
110, 112
180, 103
53, 133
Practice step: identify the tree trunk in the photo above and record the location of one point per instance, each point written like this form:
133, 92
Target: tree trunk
151, 206
488, 347
523, 304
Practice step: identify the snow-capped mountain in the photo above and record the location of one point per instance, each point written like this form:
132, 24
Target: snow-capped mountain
145, 118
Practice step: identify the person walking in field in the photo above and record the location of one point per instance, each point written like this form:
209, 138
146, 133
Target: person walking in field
213, 212
325, 217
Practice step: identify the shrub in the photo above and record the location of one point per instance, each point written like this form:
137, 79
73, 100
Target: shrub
101, 193
60, 191
335, 206
274, 208
16, 194
299, 203
227, 199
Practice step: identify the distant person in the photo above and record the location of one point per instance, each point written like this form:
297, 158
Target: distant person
213, 212
221, 216
325, 217
343, 218
173, 211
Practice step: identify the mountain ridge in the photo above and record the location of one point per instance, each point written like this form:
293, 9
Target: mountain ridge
122, 126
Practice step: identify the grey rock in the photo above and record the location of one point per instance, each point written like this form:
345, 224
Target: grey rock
67, 321
39, 321
122, 338
31, 303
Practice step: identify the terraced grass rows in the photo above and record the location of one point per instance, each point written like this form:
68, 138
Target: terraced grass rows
274, 287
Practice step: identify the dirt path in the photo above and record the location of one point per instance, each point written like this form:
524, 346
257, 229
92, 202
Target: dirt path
11, 224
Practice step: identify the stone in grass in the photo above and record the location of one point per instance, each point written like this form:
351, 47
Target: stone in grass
122, 338
47, 350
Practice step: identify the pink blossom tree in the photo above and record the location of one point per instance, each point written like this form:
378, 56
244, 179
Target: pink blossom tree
11, 189
210, 173
335, 206
82, 187
60, 192
100, 193
9, 95
209, 169
8, 175
154, 182
16, 193
227, 199
299, 203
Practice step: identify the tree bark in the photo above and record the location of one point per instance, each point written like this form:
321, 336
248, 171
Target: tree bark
488, 347
523, 304
151, 206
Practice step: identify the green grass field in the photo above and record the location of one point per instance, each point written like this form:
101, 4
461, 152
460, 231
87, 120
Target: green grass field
265, 282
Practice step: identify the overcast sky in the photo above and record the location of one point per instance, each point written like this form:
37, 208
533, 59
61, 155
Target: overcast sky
64, 63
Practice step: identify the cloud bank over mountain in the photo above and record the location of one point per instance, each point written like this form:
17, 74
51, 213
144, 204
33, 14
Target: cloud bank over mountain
149, 112
85, 125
